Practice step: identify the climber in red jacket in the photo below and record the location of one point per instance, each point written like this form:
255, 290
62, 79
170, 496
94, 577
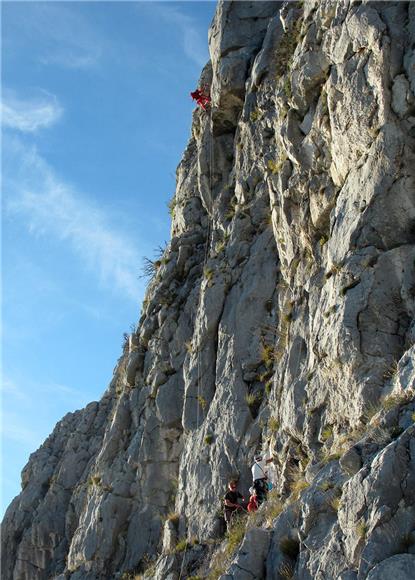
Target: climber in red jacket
253, 501
201, 98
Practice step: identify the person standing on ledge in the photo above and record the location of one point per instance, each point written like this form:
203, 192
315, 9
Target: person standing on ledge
231, 500
253, 501
260, 477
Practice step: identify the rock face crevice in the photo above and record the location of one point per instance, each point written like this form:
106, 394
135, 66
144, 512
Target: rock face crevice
280, 316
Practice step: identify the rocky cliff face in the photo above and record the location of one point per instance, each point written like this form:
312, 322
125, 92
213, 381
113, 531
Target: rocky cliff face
280, 317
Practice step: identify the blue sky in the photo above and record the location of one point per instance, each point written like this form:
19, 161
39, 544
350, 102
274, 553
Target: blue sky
95, 117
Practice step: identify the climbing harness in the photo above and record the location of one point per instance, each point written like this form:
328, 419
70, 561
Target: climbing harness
201, 98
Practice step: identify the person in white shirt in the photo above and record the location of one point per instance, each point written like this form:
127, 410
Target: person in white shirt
260, 477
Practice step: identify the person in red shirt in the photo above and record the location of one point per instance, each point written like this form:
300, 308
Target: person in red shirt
201, 98
253, 502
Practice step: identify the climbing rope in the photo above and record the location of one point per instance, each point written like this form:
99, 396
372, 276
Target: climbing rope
199, 372
184, 558
207, 245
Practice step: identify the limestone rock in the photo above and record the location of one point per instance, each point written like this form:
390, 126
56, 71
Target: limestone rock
281, 318
250, 561
401, 567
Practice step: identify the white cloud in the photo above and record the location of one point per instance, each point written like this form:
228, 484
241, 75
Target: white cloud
31, 114
15, 429
76, 397
194, 41
53, 208
57, 33
11, 389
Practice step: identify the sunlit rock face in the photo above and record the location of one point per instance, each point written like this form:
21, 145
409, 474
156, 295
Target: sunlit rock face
280, 316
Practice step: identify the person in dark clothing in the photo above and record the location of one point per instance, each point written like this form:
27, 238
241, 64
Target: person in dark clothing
231, 500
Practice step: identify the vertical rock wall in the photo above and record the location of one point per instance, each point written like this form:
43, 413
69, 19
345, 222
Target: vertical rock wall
280, 316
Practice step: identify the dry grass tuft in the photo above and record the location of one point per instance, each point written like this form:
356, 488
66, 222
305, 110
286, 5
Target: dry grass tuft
173, 517
327, 433
335, 503
202, 401
286, 570
208, 274
361, 529
298, 483
273, 424
251, 399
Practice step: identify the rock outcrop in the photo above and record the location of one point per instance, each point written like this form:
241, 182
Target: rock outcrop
280, 316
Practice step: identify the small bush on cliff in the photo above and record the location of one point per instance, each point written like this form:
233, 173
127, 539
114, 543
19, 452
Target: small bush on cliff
289, 547
273, 424
397, 399
273, 507
220, 246
202, 401
335, 503
328, 455
236, 534
392, 371
208, 274
298, 483
149, 268
327, 433
255, 115
182, 545
95, 480
268, 355
231, 211
287, 87
265, 376
287, 47
224, 555
172, 207
361, 529
325, 485
173, 517
251, 399
209, 439
276, 166
189, 346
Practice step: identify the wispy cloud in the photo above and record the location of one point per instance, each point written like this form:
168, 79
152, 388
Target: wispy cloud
30, 114
193, 39
11, 389
53, 208
71, 57
27, 392
64, 392
15, 429
57, 33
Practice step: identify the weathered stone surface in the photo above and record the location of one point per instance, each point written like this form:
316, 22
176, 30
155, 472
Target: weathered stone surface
281, 317
250, 561
400, 567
